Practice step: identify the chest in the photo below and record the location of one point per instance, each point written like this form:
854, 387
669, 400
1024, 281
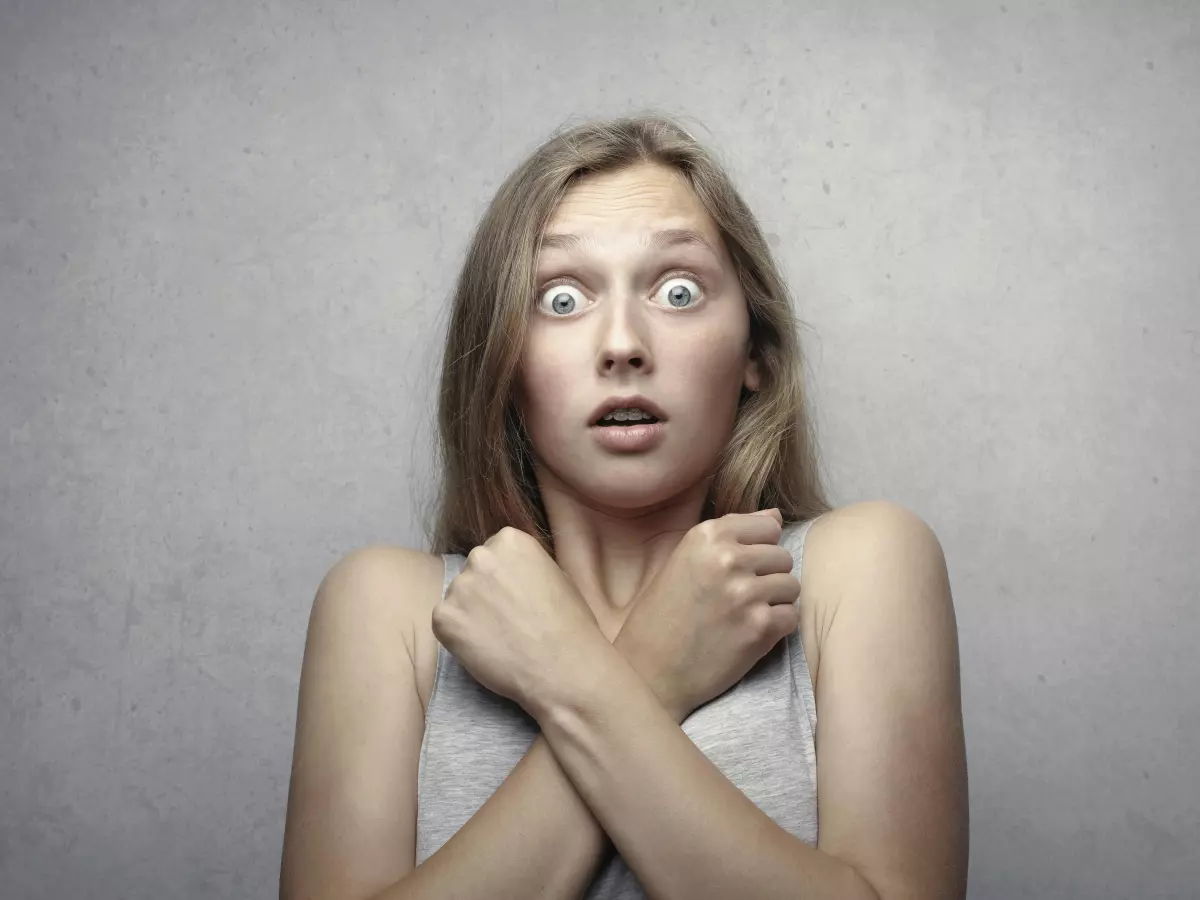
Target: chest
426, 647
759, 734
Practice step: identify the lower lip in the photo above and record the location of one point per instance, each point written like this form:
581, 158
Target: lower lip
627, 438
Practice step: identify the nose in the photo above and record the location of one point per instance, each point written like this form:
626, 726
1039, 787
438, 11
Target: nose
623, 342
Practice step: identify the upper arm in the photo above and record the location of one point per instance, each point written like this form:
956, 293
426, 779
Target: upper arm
351, 817
892, 776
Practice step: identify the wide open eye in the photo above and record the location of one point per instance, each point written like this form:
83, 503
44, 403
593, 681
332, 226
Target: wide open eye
680, 292
561, 300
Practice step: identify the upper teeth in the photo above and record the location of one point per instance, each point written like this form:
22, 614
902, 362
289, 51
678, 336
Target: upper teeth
626, 414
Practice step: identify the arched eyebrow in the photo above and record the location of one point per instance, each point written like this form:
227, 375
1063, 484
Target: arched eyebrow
667, 237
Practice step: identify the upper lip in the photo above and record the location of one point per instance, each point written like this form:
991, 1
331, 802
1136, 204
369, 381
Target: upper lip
637, 401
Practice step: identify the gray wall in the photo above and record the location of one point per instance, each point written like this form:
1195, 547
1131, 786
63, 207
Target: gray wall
228, 231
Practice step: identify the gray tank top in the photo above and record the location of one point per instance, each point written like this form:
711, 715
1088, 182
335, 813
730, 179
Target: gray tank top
760, 734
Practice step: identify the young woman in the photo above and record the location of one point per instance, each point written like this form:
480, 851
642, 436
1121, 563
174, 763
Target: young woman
605, 679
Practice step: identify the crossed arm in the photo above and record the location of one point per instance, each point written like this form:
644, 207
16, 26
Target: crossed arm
613, 764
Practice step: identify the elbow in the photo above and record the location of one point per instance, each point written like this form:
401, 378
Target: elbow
858, 887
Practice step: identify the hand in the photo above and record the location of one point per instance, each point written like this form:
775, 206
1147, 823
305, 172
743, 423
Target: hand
724, 598
515, 620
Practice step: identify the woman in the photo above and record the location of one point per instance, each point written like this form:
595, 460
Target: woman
605, 679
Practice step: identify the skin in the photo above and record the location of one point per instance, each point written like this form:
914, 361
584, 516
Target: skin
877, 624
617, 516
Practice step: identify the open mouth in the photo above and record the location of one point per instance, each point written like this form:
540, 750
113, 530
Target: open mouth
616, 423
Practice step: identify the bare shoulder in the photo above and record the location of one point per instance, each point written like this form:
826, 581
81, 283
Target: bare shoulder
395, 589
384, 562
393, 586
893, 777
848, 535
351, 813
855, 546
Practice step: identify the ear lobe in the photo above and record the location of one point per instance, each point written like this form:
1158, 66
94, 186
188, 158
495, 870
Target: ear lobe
753, 377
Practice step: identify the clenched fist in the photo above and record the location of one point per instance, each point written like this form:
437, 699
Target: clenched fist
515, 620
724, 598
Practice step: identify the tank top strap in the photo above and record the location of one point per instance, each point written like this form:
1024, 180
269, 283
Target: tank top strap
453, 563
794, 534
793, 538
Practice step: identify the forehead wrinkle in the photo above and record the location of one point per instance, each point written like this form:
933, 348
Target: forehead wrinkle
661, 239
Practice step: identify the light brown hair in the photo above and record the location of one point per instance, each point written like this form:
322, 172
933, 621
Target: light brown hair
487, 475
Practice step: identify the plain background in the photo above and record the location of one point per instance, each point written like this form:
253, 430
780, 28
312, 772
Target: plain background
228, 234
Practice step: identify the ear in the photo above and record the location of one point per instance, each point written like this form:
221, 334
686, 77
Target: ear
752, 378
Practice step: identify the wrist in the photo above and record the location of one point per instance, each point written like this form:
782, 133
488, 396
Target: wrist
642, 660
580, 674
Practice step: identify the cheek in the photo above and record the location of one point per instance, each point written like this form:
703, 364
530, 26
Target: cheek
546, 382
714, 365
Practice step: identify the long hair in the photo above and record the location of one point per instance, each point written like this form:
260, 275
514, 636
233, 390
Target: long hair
484, 451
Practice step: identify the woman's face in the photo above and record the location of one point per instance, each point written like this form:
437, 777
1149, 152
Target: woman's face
636, 295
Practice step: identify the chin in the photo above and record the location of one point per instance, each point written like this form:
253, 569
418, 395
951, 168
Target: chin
654, 485
626, 482
625, 498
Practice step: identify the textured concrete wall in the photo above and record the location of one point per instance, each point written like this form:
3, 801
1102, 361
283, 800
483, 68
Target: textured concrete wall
228, 231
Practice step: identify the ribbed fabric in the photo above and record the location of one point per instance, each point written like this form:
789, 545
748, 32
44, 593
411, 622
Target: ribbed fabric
760, 734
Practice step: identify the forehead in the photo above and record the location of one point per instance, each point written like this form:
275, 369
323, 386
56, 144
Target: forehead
631, 203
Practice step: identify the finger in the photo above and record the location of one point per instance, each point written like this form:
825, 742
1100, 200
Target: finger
767, 559
784, 618
773, 512
777, 589
754, 528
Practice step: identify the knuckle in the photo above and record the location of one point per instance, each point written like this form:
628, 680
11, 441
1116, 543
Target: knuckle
726, 558
740, 593
509, 536
479, 557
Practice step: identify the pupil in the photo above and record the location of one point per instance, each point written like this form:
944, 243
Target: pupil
563, 302
679, 292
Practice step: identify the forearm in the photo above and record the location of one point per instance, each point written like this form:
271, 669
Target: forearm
681, 826
534, 837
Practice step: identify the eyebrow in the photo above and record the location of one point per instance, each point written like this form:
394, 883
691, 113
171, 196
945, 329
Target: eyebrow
667, 237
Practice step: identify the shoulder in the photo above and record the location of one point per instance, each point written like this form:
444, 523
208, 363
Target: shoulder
381, 586
893, 782
854, 533
382, 566
352, 797
872, 552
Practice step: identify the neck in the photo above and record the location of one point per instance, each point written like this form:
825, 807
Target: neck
612, 554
